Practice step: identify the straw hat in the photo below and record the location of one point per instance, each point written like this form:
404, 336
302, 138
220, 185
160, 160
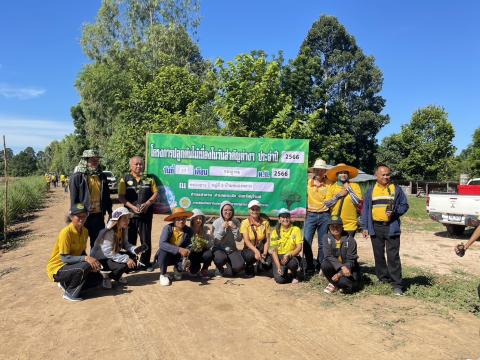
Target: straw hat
319, 164
178, 213
332, 173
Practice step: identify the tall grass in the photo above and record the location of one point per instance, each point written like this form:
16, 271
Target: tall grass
24, 195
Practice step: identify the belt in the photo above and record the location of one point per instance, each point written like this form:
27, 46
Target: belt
317, 212
384, 223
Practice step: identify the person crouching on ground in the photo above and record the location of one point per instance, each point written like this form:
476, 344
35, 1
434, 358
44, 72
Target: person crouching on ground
226, 235
112, 245
202, 242
286, 243
175, 241
69, 266
256, 236
340, 265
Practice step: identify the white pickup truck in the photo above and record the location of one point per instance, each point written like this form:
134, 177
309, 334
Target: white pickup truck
455, 211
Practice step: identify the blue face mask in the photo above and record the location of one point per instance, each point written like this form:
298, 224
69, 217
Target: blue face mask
340, 181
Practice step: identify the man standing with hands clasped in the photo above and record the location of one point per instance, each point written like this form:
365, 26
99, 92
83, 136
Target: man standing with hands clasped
384, 204
138, 192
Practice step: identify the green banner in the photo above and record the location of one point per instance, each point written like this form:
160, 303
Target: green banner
203, 171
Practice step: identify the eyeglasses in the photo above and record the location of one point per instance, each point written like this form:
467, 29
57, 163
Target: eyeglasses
255, 208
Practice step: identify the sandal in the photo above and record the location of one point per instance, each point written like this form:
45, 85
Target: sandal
330, 289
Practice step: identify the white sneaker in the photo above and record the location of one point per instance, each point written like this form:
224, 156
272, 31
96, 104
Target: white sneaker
61, 286
164, 280
122, 281
107, 283
218, 273
177, 275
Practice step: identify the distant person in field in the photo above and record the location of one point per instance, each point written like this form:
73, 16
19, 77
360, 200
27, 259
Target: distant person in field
48, 180
256, 237
384, 204
138, 192
226, 235
340, 265
113, 250
344, 197
89, 186
286, 244
318, 214
69, 265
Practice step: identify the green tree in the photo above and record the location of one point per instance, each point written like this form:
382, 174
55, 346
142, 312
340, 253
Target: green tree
423, 149
250, 96
24, 163
335, 90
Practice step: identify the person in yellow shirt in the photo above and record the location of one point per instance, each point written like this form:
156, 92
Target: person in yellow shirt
318, 214
286, 243
89, 186
69, 266
255, 231
174, 247
344, 197
340, 265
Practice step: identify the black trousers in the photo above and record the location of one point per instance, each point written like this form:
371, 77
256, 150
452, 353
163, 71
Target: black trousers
165, 259
117, 269
201, 259
142, 226
249, 258
234, 259
77, 276
95, 222
389, 271
349, 284
291, 265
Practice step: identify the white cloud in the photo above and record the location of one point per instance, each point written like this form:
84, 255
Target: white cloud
21, 132
22, 93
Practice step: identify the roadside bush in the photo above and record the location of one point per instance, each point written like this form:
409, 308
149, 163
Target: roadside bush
24, 195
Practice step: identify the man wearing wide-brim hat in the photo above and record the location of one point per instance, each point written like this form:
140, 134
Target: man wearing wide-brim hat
318, 214
343, 197
89, 186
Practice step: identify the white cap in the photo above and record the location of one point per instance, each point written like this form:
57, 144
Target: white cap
117, 214
253, 203
283, 211
197, 212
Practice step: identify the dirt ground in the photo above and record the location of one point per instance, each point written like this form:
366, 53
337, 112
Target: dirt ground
222, 318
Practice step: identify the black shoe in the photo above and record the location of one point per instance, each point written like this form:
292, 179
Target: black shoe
249, 272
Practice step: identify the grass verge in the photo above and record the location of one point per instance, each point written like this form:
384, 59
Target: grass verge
457, 291
24, 195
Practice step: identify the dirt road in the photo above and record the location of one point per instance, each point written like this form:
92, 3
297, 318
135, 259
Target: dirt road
222, 318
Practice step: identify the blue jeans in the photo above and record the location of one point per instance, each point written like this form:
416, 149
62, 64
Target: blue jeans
314, 222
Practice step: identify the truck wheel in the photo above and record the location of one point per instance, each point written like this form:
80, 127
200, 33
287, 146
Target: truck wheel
455, 229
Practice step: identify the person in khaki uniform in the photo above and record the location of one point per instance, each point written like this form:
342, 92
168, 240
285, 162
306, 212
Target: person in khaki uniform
138, 192
318, 214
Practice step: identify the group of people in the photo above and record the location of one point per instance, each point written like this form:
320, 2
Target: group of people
336, 210
52, 180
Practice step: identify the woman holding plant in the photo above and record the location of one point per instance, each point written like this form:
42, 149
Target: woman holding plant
200, 252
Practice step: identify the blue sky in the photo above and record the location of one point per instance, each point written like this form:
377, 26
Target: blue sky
428, 51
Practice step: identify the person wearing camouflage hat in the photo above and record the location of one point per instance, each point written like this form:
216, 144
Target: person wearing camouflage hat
89, 186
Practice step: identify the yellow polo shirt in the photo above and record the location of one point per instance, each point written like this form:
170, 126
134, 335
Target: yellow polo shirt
69, 242
349, 211
177, 237
316, 196
380, 200
287, 241
262, 230
94, 186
